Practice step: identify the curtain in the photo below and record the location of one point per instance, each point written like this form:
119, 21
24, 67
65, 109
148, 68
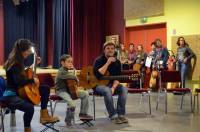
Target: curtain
19, 22
41, 32
61, 29
87, 35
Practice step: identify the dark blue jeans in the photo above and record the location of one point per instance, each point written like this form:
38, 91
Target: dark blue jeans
108, 99
15, 102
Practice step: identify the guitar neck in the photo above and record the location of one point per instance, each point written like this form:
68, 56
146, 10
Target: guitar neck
122, 77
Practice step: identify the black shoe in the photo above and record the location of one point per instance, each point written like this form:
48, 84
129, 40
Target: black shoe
85, 116
123, 119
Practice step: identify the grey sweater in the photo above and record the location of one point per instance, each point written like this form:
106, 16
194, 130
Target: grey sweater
63, 75
184, 52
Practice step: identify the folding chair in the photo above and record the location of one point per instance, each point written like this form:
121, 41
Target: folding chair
47, 79
171, 76
196, 97
3, 107
95, 94
143, 91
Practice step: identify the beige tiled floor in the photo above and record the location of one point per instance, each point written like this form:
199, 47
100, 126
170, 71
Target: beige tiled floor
139, 120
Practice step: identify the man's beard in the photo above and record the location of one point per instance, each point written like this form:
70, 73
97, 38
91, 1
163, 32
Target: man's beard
109, 55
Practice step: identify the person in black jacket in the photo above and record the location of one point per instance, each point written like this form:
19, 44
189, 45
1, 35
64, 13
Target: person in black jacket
15, 73
109, 63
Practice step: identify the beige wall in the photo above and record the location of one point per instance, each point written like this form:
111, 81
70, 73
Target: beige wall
181, 16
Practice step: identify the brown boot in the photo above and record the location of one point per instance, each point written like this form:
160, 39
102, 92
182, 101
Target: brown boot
46, 118
27, 129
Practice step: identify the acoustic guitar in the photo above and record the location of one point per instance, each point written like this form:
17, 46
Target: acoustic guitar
137, 67
154, 75
73, 87
88, 80
31, 91
171, 62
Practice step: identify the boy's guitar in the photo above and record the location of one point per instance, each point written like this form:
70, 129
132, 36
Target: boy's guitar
73, 87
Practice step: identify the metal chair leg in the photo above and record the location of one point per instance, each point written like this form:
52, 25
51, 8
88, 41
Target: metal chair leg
165, 102
12, 118
181, 101
51, 107
191, 102
2, 119
158, 99
94, 107
54, 108
141, 98
194, 102
198, 102
149, 103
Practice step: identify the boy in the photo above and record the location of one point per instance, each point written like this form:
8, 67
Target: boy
67, 71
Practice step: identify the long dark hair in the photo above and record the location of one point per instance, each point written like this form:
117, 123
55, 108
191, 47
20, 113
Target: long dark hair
15, 56
178, 41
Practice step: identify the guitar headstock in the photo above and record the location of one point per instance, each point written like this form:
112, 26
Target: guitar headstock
135, 76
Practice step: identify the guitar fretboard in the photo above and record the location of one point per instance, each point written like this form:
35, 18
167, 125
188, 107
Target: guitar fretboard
122, 77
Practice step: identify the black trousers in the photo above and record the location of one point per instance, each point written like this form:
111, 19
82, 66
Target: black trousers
15, 102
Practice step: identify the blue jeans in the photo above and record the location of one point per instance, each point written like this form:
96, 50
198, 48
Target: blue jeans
183, 68
108, 99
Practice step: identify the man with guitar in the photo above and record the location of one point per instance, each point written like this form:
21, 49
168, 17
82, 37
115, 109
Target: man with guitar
109, 63
66, 88
17, 78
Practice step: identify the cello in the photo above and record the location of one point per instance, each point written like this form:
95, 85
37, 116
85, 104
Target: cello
31, 91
